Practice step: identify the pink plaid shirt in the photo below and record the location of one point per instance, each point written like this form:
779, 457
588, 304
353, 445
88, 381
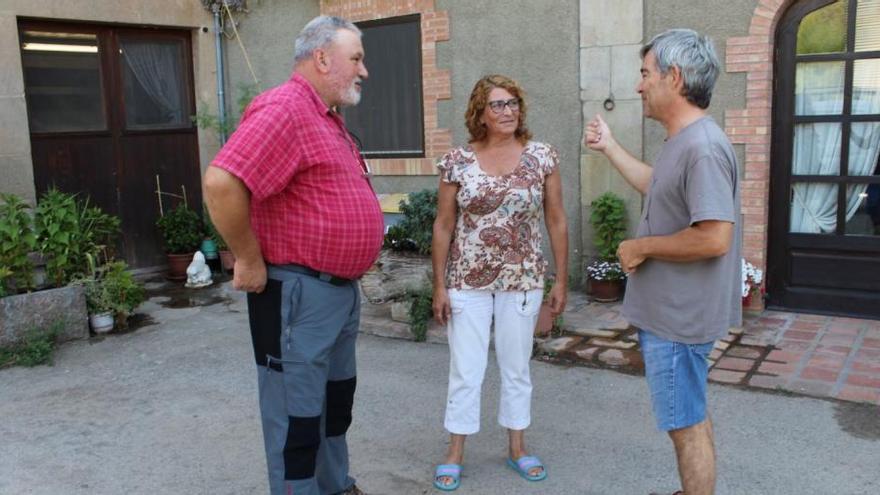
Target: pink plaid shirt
311, 200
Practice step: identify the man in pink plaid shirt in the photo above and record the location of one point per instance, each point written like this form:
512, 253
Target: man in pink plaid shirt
291, 196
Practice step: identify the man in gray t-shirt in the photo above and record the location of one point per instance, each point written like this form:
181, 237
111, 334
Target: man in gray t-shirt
684, 263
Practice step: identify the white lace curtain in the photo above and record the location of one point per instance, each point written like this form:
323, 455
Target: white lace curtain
156, 66
819, 91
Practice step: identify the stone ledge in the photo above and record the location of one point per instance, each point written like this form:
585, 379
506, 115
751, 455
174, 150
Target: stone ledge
41, 309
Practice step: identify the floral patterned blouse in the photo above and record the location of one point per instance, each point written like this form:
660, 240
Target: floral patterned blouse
497, 239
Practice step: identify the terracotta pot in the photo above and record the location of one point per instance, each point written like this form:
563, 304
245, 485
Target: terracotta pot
606, 290
227, 260
177, 265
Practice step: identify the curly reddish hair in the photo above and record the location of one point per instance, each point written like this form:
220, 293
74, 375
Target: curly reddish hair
480, 100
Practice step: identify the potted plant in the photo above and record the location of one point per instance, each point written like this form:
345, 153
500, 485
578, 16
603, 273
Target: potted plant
608, 218
752, 277
546, 319
227, 260
606, 280
112, 293
181, 229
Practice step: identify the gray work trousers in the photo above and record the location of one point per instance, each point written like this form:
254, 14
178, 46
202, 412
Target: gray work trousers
304, 331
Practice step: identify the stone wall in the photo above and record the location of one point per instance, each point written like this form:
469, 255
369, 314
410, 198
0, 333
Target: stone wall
40, 310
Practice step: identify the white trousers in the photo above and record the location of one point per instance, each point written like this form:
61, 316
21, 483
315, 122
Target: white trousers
515, 314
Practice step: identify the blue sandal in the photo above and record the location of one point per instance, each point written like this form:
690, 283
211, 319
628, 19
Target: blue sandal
525, 464
450, 471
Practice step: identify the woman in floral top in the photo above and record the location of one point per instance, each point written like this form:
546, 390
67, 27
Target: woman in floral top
488, 265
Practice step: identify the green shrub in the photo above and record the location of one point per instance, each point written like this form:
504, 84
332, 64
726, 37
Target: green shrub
57, 226
70, 231
182, 230
208, 120
415, 231
420, 312
608, 219
17, 239
113, 289
99, 230
34, 349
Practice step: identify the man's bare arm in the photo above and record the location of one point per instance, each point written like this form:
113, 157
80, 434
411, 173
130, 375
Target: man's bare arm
702, 240
228, 202
597, 137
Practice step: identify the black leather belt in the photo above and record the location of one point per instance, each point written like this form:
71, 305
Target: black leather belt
326, 277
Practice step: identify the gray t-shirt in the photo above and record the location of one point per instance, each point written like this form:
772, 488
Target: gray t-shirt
694, 179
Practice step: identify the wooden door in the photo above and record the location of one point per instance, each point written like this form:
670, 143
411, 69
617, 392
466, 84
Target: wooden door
109, 109
825, 180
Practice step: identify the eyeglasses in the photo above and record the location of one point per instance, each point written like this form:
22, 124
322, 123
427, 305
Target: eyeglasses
497, 106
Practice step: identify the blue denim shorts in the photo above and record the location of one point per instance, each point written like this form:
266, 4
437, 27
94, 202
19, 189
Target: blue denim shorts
677, 375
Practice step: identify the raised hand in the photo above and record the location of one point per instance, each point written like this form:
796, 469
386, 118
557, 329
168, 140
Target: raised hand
597, 135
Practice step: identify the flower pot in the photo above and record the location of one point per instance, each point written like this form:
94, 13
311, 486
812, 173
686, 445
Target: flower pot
209, 249
177, 265
101, 322
606, 290
227, 260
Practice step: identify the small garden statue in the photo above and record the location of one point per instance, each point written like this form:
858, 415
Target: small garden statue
198, 273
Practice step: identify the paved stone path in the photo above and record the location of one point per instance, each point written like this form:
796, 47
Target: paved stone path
820, 356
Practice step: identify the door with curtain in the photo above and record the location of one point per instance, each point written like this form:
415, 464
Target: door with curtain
824, 251
109, 110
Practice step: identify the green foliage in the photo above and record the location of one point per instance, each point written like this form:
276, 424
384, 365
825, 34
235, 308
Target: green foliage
98, 230
212, 232
823, 30
17, 239
113, 289
5, 274
420, 312
608, 219
34, 349
69, 232
57, 225
182, 230
415, 231
207, 120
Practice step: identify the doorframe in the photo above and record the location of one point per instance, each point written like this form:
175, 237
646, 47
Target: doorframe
112, 96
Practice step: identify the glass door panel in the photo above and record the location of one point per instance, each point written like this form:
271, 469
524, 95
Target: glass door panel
62, 77
154, 84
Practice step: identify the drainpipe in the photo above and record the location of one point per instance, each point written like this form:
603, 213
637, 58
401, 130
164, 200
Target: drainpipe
218, 46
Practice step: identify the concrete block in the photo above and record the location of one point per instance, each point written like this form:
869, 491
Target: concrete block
22, 313
595, 64
400, 311
394, 274
625, 66
611, 22
596, 173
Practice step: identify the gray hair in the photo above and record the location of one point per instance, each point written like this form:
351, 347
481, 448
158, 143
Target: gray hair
319, 33
695, 57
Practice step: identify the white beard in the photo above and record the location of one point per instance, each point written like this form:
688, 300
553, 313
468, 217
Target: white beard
350, 96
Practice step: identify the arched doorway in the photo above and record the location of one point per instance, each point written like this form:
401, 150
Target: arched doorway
824, 252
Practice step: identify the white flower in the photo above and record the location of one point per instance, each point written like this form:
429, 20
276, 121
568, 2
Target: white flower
752, 277
605, 270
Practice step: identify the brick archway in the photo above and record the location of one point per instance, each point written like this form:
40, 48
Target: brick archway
751, 126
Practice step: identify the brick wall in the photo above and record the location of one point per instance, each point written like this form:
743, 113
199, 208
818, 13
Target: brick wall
751, 126
436, 84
